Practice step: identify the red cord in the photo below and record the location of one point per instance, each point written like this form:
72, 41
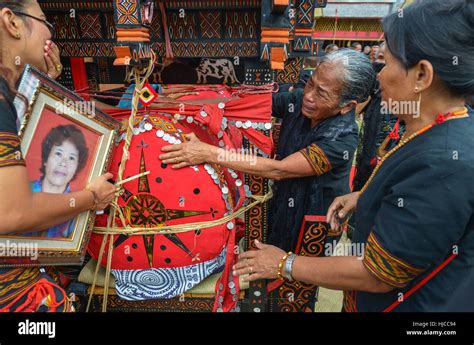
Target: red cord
421, 283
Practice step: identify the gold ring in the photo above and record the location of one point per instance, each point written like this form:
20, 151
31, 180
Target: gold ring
59, 67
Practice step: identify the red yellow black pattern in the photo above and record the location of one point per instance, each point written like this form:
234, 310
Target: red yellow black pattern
10, 150
15, 282
387, 267
317, 158
349, 303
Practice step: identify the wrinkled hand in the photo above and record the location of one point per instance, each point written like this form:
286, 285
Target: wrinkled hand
105, 190
53, 59
340, 208
192, 152
259, 264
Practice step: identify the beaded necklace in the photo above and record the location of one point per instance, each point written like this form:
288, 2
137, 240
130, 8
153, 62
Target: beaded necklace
403, 141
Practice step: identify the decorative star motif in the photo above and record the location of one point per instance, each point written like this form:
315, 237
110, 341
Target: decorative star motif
146, 210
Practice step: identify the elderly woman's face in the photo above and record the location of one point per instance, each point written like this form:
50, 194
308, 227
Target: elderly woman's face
322, 93
62, 164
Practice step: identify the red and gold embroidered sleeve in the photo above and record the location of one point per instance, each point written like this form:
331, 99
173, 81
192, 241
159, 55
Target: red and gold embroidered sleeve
317, 158
387, 267
10, 150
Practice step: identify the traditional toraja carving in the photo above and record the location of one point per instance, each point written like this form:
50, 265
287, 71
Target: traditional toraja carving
132, 18
291, 73
271, 30
258, 73
275, 40
297, 296
232, 33
302, 22
287, 30
256, 228
211, 4
116, 304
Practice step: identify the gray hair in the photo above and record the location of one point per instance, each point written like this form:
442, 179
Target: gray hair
358, 74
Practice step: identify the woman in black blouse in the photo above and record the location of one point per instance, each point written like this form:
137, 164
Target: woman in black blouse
25, 38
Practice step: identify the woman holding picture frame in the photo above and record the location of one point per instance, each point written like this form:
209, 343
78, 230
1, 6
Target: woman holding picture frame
25, 38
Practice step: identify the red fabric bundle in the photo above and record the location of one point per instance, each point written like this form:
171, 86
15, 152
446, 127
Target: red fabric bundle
192, 194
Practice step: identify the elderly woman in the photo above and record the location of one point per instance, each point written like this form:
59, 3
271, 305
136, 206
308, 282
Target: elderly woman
316, 147
26, 39
416, 210
64, 155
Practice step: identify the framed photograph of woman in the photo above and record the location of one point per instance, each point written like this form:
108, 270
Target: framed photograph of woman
66, 143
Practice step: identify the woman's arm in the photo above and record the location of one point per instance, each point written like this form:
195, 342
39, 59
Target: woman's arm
339, 273
25, 211
196, 152
292, 166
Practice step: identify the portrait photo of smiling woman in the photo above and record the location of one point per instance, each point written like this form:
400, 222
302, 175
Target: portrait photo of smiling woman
64, 155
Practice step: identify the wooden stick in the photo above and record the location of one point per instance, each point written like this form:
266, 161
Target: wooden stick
131, 178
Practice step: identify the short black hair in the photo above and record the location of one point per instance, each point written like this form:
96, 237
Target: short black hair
438, 31
59, 135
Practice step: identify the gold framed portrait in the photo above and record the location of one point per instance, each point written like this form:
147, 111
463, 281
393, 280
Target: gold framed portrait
66, 143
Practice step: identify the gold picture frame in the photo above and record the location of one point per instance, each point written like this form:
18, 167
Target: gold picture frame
48, 112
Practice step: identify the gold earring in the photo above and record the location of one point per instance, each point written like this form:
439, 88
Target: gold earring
18, 36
